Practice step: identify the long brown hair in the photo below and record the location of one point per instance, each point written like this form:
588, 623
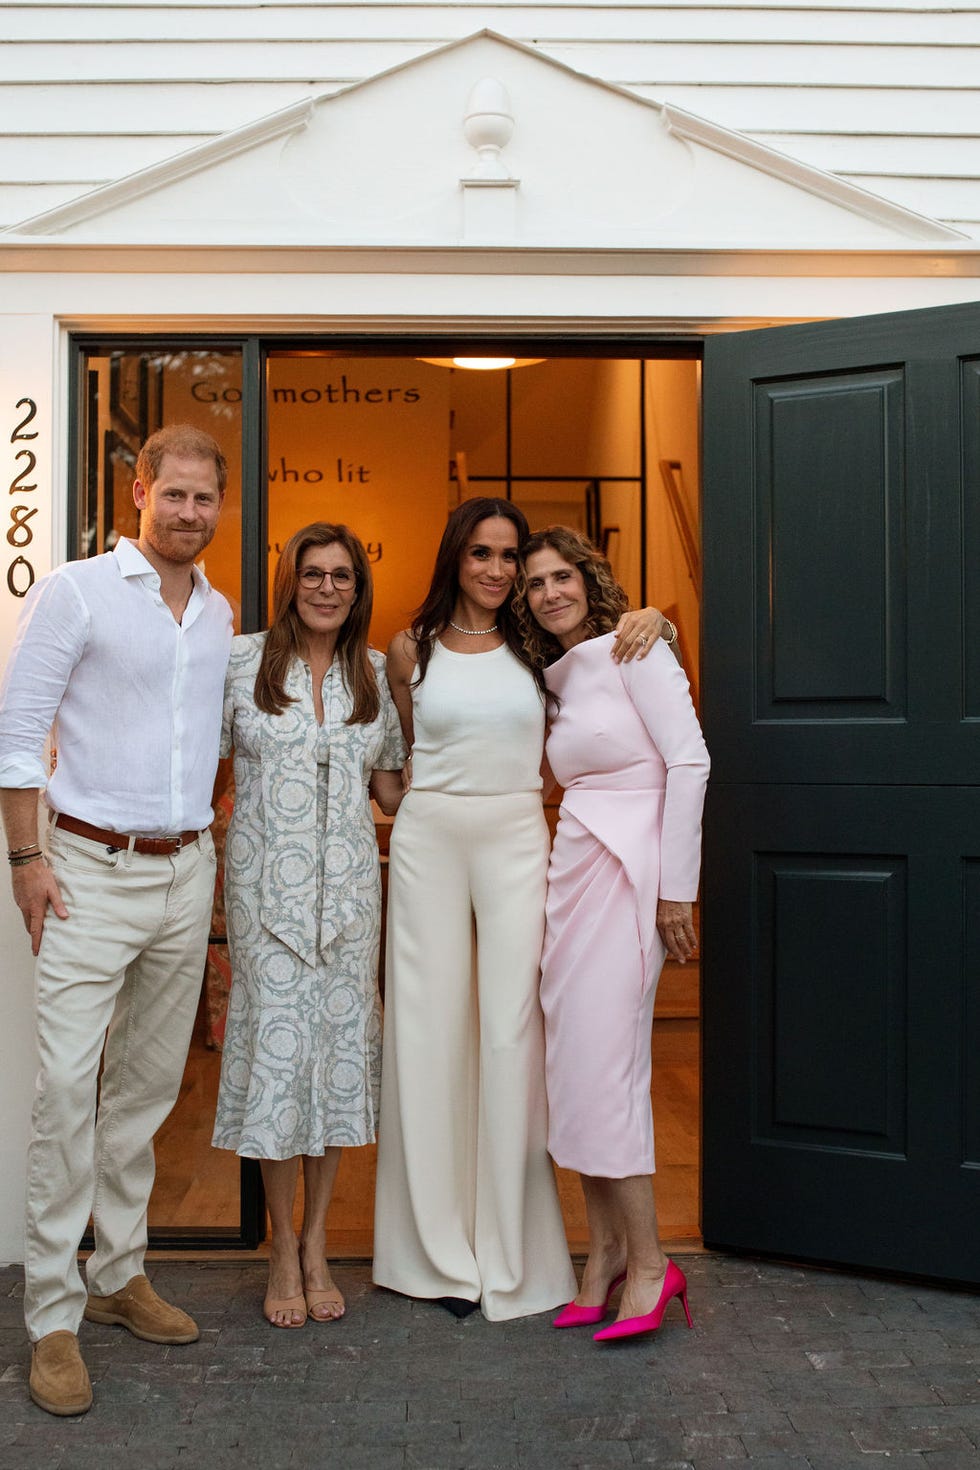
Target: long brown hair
606, 599
286, 638
432, 618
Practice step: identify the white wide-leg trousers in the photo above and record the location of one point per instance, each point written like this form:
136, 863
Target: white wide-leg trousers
129, 959
466, 1203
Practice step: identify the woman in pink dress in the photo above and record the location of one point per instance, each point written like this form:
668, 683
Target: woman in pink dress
625, 744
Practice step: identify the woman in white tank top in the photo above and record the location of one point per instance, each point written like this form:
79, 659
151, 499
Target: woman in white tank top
466, 1210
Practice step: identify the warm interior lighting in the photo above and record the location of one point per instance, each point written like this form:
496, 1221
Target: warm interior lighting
482, 364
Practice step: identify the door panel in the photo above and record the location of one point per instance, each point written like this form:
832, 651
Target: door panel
819, 544
832, 1052
970, 1003
970, 507
841, 956
842, 838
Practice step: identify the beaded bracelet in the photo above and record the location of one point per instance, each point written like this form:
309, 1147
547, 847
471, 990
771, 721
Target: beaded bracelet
30, 857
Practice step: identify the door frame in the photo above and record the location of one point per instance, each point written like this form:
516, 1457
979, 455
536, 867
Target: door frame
255, 348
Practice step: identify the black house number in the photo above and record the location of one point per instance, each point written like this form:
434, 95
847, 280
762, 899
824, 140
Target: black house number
20, 533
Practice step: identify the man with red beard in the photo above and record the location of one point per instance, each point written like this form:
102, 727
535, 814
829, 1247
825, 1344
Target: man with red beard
124, 654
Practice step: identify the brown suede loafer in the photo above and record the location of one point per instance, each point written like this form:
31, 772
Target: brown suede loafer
146, 1315
59, 1378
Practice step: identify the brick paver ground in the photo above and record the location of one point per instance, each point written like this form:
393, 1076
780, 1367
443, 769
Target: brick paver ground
787, 1369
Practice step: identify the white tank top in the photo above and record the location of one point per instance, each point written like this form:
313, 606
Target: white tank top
479, 725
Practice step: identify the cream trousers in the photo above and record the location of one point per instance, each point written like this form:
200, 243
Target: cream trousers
129, 961
466, 1203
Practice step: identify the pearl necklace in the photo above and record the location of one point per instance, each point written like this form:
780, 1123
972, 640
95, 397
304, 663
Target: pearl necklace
472, 632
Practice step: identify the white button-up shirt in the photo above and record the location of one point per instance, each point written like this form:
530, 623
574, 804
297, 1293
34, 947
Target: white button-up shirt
133, 695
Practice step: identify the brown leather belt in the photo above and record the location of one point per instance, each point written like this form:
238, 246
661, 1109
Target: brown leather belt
119, 841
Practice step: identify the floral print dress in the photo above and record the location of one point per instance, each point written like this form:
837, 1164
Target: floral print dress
301, 1063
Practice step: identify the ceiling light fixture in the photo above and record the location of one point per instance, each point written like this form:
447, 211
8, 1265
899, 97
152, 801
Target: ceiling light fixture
482, 364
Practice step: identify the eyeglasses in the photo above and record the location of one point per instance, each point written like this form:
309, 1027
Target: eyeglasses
342, 578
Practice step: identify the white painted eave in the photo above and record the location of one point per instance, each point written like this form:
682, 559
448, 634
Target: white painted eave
147, 180
25, 255
783, 166
904, 224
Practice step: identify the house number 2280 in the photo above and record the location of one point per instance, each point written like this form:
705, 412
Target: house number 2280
20, 534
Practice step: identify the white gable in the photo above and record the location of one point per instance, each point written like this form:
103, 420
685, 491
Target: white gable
386, 162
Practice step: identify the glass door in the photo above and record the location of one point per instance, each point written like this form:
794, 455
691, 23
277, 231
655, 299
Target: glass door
201, 1196
387, 440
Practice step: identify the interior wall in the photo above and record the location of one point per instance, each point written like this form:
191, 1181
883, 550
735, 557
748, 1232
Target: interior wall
615, 440
363, 441
477, 423
571, 418
672, 408
575, 444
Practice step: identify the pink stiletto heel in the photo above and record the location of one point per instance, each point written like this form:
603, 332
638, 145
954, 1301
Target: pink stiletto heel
575, 1316
675, 1284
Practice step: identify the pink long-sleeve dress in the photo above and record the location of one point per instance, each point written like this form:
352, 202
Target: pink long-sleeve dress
626, 745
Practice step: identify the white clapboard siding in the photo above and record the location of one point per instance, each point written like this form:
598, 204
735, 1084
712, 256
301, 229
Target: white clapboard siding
798, 66
24, 158
884, 92
932, 111
21, 201
202, 61
626, 61
888, 155
433, 24
936, 176
507, 8
170, 109
951, 198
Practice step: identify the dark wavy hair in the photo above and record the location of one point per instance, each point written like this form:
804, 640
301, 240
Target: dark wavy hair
606, 599
286, 638
432, 617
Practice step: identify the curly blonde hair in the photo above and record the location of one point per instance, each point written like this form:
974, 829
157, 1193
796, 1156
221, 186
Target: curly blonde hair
606, 599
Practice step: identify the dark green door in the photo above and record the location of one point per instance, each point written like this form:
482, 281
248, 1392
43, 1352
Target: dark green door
841, 698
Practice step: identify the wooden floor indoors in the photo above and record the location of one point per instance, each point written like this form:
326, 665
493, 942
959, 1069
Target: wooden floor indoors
198, 1185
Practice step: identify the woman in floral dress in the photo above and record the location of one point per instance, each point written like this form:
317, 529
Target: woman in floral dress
315, 735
